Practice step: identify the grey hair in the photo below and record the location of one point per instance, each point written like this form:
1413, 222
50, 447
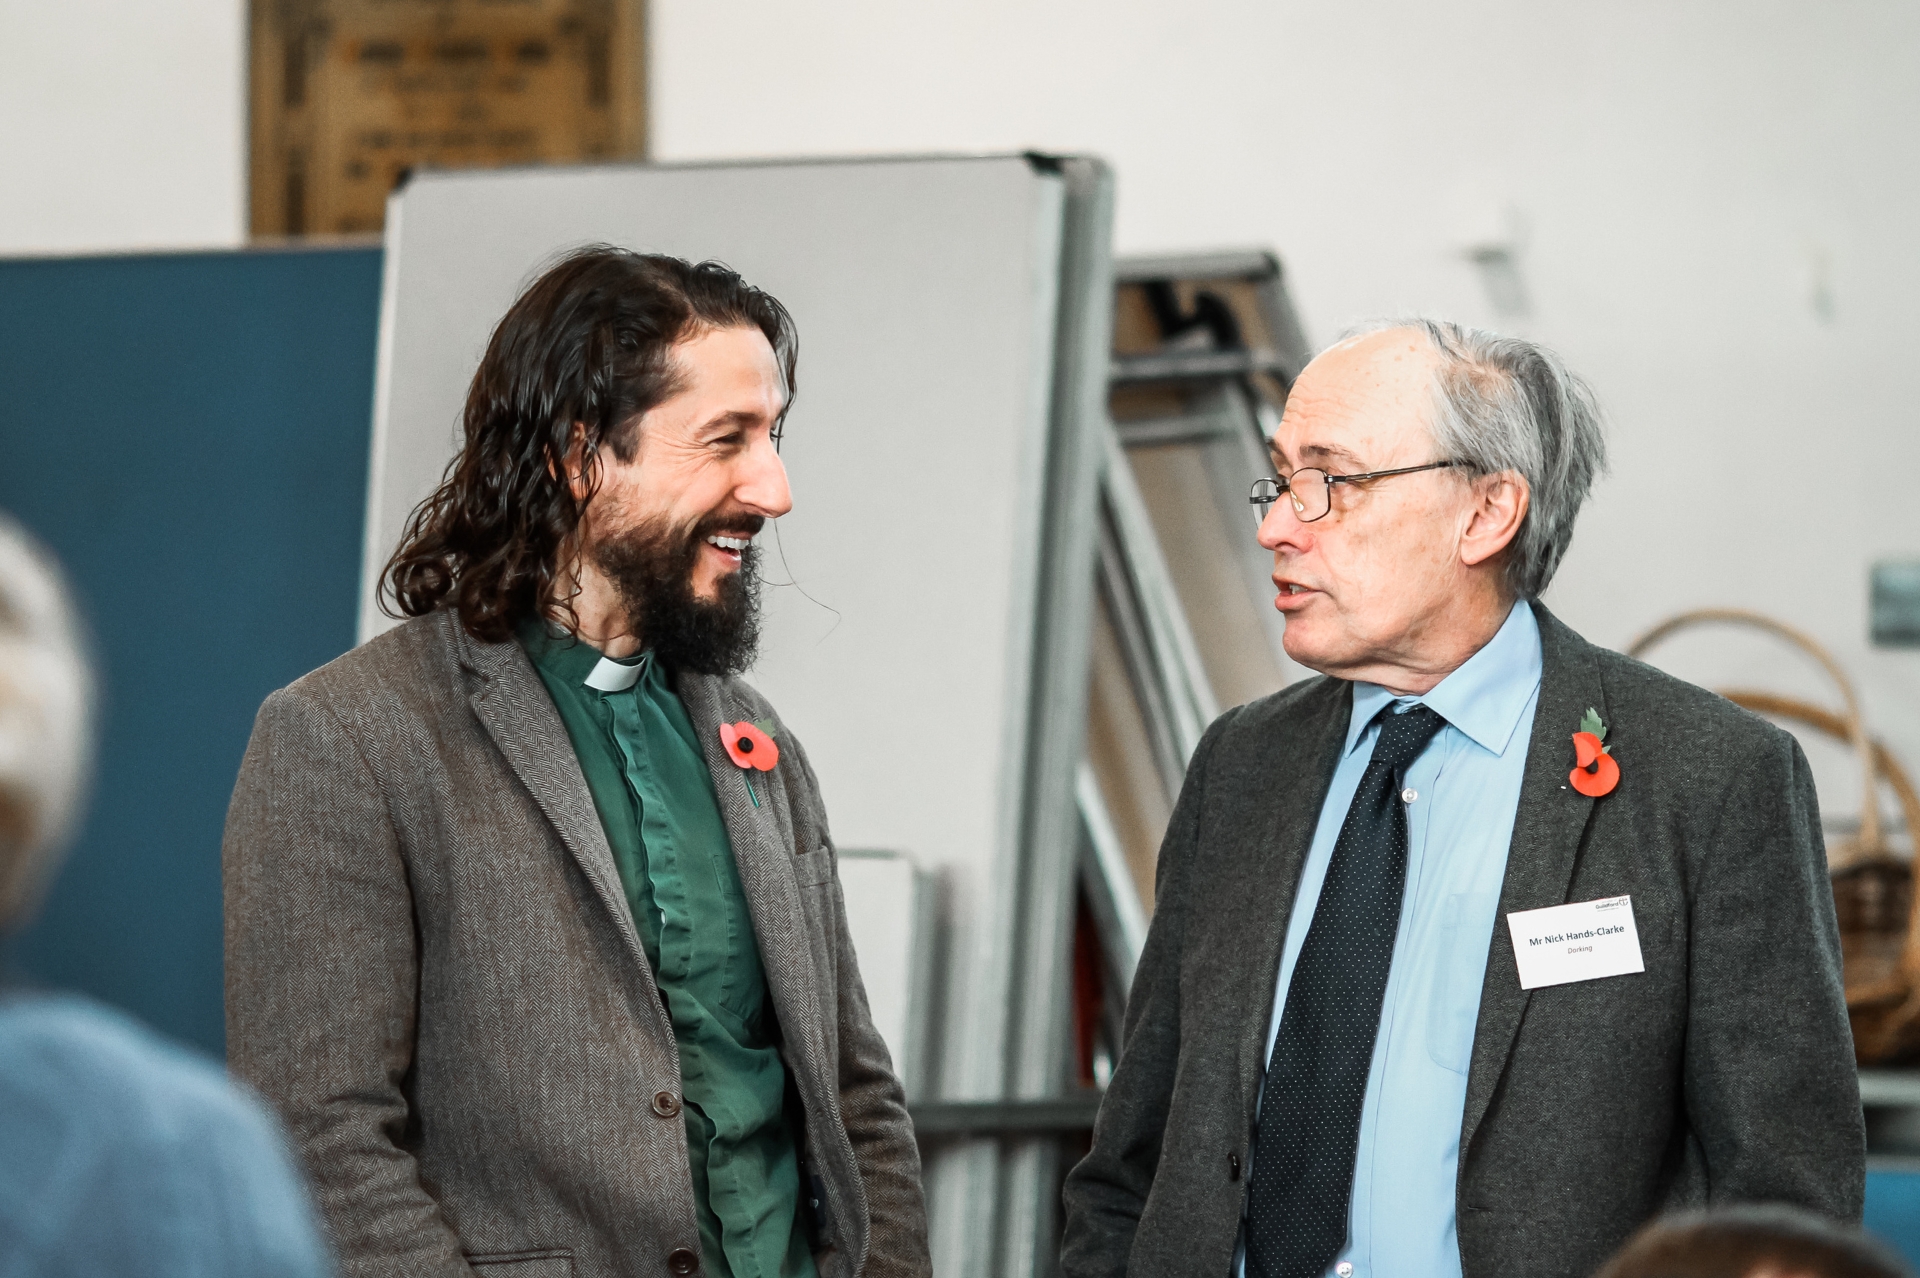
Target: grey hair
46, 719
1508, 404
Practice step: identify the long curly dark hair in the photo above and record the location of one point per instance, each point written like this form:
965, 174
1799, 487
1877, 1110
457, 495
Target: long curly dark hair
587, 343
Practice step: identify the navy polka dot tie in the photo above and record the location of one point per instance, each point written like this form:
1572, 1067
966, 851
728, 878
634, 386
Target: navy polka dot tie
1309, 1126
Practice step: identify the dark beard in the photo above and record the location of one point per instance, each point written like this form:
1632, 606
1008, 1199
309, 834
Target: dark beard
652, 568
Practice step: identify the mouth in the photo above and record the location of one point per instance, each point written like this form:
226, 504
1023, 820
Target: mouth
729, 546
1292, 595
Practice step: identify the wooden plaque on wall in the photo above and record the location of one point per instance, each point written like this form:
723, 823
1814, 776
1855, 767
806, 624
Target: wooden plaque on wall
347, 95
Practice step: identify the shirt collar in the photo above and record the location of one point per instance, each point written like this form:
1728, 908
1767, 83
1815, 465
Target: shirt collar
609, 675
1484, 698
575, 661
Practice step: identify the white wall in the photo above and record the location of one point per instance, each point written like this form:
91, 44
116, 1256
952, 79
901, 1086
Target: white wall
122, 124
1713, 205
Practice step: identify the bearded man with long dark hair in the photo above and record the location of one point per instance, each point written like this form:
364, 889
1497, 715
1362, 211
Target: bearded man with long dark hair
534, 934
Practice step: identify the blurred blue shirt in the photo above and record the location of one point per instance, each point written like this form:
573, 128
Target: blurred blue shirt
1467, 783
123, 1155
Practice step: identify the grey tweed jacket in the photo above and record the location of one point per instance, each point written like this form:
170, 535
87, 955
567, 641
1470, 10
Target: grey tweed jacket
1723, 1072
433, 974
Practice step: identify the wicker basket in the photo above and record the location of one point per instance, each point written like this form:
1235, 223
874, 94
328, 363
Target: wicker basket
1872, 887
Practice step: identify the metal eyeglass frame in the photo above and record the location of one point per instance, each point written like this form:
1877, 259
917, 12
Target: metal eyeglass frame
1267, 491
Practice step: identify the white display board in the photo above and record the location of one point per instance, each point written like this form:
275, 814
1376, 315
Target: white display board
889, 904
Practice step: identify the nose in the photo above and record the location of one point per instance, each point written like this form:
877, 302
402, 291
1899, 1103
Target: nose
1280, 525
763, 484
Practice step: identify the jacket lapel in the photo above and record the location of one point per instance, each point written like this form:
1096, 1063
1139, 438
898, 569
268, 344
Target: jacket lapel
1547, 833
1287, 788
763, 848
518, 714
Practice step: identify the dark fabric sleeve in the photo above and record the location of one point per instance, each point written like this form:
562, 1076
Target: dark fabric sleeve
1106, 1192
1771, 1090
873, 1105
321, 983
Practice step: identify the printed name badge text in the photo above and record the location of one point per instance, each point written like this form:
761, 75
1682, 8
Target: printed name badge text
1579, 942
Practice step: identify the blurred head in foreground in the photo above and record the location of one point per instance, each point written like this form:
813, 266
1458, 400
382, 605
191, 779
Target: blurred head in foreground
120, 1153
46, 696
1752, 1242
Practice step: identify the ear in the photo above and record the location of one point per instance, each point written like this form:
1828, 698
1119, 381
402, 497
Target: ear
580, 477
1494, 515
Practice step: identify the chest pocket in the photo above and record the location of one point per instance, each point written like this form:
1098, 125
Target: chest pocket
1453, 1001
813, 868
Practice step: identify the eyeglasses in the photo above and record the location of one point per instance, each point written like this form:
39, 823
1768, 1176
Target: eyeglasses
1311, 488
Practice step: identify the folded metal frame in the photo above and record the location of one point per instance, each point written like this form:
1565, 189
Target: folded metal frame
1206, 349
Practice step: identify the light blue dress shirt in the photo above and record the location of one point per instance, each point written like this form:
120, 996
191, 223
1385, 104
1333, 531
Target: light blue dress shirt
1465, 791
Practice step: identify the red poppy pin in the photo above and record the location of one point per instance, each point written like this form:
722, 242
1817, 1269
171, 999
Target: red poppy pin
1594, 772
751, 746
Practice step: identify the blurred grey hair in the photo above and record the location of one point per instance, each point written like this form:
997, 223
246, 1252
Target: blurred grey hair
46, 720
1505, 403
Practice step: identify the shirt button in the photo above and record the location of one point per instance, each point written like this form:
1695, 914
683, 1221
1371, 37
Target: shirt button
666, 1104
1407, 795
682, 1260
1345, 1267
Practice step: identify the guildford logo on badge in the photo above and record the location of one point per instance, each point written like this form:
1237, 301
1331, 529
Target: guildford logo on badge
1579, 942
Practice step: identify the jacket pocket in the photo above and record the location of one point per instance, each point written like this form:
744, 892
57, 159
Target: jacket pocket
814, 868
548, 1263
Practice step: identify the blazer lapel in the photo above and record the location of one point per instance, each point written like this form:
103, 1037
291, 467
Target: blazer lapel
518, 714
1286, 788
763, 849
1547, 833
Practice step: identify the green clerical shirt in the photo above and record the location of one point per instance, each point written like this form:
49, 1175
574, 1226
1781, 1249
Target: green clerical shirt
649, 782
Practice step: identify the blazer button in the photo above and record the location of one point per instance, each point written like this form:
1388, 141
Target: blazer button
682, 1260
1233, 1167
666, 1104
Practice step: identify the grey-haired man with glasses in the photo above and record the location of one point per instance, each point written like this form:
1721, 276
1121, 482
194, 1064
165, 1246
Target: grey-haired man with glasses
1488, 945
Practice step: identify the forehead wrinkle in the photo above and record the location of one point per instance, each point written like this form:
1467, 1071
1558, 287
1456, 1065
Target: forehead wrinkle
1328, 452
1310, 452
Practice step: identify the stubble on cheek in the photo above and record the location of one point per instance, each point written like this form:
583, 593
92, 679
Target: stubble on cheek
605, 518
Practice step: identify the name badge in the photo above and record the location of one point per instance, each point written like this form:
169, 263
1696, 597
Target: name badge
1579, 942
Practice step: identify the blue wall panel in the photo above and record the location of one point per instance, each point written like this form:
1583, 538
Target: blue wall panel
1893, 1210
189, 433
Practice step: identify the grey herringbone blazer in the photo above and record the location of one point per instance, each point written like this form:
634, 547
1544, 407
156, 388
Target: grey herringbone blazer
433, 974
1724, 1072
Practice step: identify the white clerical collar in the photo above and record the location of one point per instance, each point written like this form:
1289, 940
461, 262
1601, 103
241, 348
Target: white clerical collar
609, 675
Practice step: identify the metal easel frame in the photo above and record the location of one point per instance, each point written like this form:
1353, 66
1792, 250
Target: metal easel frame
1170, 681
